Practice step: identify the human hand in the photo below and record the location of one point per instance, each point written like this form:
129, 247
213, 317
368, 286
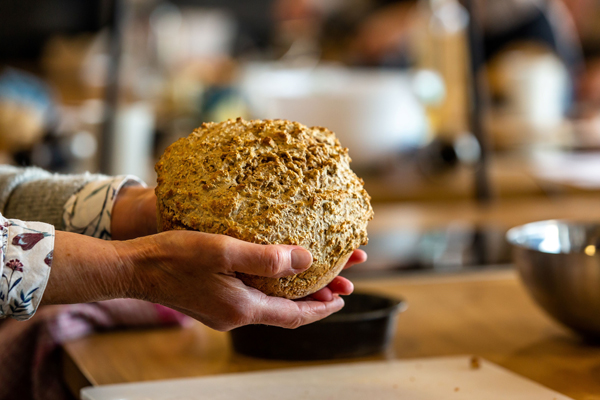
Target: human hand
134, 213
195, 273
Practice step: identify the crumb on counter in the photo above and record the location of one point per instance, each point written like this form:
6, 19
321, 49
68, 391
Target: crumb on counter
475, 363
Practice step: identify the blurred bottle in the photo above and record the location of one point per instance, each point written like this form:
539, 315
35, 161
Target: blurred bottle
440, 47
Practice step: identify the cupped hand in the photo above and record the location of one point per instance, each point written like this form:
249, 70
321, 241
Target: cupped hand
195, 273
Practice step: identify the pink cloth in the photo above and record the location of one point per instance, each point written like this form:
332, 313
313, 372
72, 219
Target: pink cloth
30, 350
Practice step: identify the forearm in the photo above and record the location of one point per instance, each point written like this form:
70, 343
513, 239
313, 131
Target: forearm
85, 269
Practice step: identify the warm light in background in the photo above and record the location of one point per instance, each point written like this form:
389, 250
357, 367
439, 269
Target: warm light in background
590, 250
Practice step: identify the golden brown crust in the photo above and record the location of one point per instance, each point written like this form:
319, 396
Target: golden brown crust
268, 182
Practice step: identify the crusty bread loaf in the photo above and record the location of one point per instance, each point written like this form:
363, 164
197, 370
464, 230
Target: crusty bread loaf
267, 182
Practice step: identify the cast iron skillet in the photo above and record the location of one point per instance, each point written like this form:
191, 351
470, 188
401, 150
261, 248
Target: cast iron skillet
363, 327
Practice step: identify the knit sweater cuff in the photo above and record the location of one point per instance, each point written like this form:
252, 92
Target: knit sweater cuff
37, 195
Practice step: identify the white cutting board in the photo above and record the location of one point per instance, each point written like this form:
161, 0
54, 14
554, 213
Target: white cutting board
418, 379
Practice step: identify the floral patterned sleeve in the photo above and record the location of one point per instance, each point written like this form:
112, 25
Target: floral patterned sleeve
25, 260
88, 211
26, 248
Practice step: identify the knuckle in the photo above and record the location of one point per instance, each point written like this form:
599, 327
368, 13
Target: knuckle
273, 260
218, 323
221, 326
237, 316
222, 250
295, 322
231, 316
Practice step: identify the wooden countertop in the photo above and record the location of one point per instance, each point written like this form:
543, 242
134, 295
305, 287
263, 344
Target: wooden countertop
486, 313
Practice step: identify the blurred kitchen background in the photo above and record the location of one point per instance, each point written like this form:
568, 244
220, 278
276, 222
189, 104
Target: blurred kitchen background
464, 118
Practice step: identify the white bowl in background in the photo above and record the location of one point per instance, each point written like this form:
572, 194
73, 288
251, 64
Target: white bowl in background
373, 112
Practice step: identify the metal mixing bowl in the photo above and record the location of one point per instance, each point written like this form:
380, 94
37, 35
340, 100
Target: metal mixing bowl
559, 261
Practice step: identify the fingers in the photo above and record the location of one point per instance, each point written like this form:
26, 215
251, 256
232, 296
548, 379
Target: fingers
292, 314
273, 261
242, 305
324, 294
339, 285
358, 257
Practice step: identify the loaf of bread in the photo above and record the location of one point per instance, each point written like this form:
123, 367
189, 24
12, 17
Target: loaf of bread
267, 182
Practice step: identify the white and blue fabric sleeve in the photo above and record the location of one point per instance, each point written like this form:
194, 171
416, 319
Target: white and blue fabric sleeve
88, 211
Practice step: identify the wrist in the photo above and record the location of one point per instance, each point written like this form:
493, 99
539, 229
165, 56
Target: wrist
139, 258
85, 269
134, 213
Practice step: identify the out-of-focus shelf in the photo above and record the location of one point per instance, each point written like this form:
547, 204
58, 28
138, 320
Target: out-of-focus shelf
502, 213
510, 176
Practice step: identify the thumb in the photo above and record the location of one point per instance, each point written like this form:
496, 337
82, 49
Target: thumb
274, 261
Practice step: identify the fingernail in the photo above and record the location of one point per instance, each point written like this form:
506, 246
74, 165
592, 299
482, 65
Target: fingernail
301, 260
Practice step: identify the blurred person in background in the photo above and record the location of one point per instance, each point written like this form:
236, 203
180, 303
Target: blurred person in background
504, 22
540, 57
379, 28
378, 31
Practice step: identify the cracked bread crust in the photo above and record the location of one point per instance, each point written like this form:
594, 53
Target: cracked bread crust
267, 182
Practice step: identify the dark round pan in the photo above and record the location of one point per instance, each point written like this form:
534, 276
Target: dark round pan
365, 326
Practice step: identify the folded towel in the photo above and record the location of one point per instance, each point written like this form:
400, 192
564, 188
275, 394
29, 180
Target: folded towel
30, 351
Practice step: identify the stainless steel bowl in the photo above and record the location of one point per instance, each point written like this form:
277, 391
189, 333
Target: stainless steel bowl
559, 261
